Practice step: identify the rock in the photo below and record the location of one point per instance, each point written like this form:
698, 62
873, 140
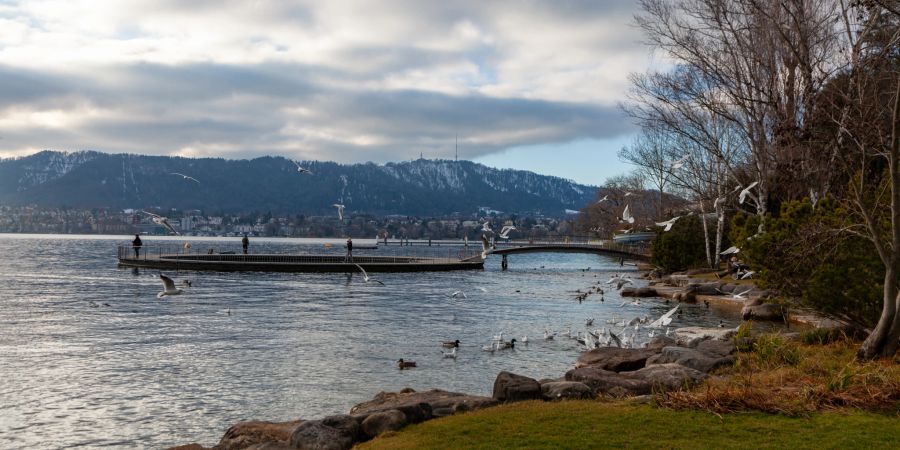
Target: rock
659, 342
765, 311
716, 347
559, 390
638, 292
192, 446
685, 297
691, 336
616, 359
331, 433
271, 446
411, 402
689, 357
668, 377
509, 387
607, 382
704, 289
244, 434
754, 301
377, 423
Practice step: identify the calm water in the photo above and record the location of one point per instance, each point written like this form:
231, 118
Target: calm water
145, 372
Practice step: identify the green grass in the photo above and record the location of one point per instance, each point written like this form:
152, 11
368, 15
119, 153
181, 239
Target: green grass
594, 424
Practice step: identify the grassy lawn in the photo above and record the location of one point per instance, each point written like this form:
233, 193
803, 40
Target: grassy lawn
595, 424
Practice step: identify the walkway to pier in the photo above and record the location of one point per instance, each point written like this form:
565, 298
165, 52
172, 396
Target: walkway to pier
173, 257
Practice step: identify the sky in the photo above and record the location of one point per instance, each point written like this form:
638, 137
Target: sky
526, 84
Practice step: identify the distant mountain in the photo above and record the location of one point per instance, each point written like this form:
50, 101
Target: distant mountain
421, 187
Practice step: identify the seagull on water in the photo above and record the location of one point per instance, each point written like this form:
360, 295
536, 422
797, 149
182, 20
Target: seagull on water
160, 220
548, 336
301, 169
450, 354
668, 224
340, 209
169, 287
366, 276
457, 294
626, 215
186, 177
744, 193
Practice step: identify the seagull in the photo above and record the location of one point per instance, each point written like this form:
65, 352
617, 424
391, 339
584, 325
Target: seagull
300, 169
746, 191
736, 296
548, 336
458, 294
450, 344
169, 287
668, 224
626, 215
186, 177
664, 320
504, 233
730, 250
627, 194
621, 282
589, 321
489, 348
486, 227
748, 274
498, 337
680, 163
450, 354
366, 276
160, 220
485, 247
340, 209
615, 339
604, 199
525, 340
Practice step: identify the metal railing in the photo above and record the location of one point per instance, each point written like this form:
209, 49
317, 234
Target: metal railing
229, 253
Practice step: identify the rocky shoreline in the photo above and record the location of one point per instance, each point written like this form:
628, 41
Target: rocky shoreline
666, 363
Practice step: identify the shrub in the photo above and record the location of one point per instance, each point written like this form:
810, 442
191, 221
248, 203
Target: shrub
772, 351
680, 248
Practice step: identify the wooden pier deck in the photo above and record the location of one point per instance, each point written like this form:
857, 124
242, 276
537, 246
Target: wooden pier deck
173, 258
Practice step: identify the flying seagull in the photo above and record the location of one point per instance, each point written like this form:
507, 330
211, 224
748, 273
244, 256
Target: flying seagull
301, 169
160, 220
169, 287
730, 250
628, 194
737, 295
487, 227
366, 276
746, 191
485, 247
664, 320
186, 177
604, 199
668, 224
680, 163
340, 209
504, 233
626, 215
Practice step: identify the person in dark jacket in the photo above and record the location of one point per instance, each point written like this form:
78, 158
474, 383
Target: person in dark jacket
136, 244
245, 242
349, 257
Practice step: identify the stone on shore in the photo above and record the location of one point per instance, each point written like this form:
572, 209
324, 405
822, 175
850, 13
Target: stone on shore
607, 382
659, 342
668, 377
765, 311
245, 434
379, 422
616, 359
409, 402
638, 292
689, 357
509, 387
338, 432
692, 336
566, 390
716, 347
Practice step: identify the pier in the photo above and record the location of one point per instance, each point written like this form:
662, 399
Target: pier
174, 257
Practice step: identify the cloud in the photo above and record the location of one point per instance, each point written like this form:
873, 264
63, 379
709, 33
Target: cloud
339, 80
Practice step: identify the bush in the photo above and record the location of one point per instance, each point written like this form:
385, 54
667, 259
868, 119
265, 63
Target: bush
680, 248
772, 351
801, 256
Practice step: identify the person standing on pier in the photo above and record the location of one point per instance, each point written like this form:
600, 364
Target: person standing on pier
136, 244
349, 257
245, 242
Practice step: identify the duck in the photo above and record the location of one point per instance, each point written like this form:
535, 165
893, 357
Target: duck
401, 364
450, 344
506, 345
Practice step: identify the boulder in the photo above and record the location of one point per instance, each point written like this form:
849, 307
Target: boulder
191, 446
245, 434
657, 343
561, 390
689, 357
379, 422
638, 292
331, 433
607, 382
616, 359
668, 377
765, 311
692, 336
270, 446
509, 387
716, 347
704, 289
685, 297
411, 403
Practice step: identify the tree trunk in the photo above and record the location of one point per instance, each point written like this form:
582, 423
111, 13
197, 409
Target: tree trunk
720, 232
883, 340
709, 260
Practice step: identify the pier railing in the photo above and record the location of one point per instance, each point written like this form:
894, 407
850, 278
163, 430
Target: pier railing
232, 253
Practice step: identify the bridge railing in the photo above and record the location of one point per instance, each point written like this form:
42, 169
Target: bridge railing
300, 255
639, 248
